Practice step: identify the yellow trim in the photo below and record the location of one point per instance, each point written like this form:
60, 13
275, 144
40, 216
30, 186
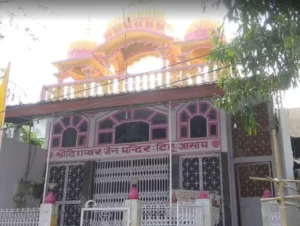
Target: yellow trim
202, 24
3, 93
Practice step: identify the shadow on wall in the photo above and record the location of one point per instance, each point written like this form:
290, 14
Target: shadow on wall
13, 164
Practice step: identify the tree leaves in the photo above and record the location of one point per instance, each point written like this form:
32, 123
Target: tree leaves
30, 137
264, 55
25, 135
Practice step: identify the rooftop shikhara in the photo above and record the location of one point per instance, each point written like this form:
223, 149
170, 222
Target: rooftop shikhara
101, 69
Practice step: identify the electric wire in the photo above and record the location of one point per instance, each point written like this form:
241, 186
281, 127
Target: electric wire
152, 71
133, 93
121, 96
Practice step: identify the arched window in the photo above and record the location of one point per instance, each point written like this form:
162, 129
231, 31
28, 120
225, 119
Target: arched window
129, 126
69, 138
130, 132
70, 131
198, 126
198, 120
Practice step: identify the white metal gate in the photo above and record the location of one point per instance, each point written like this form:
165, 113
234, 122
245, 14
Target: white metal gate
20, 217
176, 215
203, 173
112, 180
68, 178
104, 216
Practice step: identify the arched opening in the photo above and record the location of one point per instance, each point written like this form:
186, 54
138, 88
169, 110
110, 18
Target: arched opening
198, 125
131, 132
145, 64
69, 138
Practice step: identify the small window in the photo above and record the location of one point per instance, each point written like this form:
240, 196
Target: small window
142, 114
82, 140
76, 120
66, 121
198, 127
57, 129
213, 130
69, 137
203, 108
183, 132
106, 124
192, 108
159, 133
159, 119
184, 117
131, 132
212, 115
124, 115
105, 138
83, 127
55, 142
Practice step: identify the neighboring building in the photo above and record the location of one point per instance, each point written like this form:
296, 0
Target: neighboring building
120, 126
293, 133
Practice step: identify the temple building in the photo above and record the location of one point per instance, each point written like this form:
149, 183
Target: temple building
158, 127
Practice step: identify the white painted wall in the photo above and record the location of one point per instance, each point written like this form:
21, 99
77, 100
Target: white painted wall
285, 148
13, 161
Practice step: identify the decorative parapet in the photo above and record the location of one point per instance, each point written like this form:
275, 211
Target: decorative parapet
173, 77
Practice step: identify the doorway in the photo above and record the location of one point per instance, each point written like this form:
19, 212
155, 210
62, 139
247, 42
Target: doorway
249, 191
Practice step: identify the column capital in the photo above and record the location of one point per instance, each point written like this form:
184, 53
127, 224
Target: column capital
105, 60
162, 51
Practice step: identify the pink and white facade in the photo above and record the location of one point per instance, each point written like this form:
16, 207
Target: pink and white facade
95, 155
159, 128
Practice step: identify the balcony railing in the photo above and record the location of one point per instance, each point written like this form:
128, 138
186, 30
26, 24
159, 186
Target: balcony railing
173, 77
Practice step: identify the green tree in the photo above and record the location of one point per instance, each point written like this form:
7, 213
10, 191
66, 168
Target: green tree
30, 137
264, 56
26, 134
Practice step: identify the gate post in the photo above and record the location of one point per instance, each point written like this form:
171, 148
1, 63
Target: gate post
134, 204
264, 207
48, 215
206, 203
48, 210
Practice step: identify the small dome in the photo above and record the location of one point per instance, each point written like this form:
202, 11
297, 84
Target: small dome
81, 48
200, 29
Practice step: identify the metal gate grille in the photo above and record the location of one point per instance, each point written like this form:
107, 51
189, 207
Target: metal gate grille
187, 214
113, 178
19, 217
93, 216
69, 183
203, 172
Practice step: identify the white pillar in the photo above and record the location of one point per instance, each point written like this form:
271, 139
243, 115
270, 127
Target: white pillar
135, 212
265, 213
206, 204
48, 215
286, 150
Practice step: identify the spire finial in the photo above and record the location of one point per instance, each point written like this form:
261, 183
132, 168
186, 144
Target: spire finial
88, 26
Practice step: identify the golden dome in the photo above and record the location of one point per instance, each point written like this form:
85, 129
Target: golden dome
138, 19
200, 29
81, 48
